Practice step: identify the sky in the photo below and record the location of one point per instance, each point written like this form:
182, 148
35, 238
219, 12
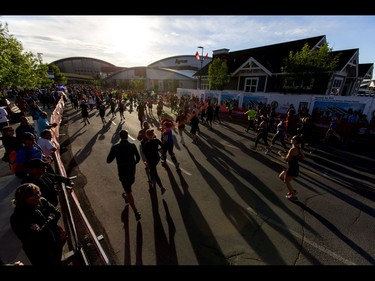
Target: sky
131, 41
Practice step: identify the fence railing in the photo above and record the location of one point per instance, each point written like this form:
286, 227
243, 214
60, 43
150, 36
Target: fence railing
83, 246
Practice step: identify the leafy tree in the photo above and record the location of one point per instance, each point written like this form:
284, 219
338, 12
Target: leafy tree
59, 77
18, 69
302, 68
218, 76
137, 85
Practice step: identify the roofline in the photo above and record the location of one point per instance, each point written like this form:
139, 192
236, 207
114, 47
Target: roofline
72, 58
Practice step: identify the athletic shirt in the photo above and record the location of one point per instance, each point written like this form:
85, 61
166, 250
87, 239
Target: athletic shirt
293, 165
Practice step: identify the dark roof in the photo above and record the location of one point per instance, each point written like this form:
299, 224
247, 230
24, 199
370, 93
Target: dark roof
82, 58
270, 56
365, 69
345, 56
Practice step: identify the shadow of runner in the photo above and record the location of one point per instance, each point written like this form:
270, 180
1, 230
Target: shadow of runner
171, 231
165, 250
139, 239
138, 254
125, 221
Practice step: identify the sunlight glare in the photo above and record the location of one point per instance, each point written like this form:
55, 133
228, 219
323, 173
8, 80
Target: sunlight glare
130, 36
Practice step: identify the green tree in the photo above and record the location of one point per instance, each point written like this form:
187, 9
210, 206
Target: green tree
303, 68
59, 77
218, 76
137, 85
18, 69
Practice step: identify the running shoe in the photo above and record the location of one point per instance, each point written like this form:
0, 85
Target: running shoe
137, 216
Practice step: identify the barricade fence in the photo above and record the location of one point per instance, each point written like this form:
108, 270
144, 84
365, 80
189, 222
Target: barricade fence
83, 246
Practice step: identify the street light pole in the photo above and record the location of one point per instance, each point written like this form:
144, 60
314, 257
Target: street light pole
201, 59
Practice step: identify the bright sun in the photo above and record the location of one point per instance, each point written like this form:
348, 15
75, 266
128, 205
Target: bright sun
130, 35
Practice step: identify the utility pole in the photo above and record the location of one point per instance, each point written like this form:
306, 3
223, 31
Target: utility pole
201, 58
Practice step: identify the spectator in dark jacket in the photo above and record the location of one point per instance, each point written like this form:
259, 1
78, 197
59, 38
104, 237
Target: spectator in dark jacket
11, 146
24, 127
34, 221
37, 174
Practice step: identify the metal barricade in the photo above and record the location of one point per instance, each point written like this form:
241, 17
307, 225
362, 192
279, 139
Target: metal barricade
83, 246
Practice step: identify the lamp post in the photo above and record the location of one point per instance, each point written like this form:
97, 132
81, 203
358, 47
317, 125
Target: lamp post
201, 58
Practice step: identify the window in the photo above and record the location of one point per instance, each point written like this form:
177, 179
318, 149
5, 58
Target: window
204, 84
251, 85
336, 85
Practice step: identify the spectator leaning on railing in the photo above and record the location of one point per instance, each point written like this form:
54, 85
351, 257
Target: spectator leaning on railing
4, 121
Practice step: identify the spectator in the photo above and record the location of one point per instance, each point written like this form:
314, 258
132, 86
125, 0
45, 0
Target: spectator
11, 146
22, 104
37, 174
43, 123
46, 144
34, 221
4, 121
24, 127
35, 111
29, 151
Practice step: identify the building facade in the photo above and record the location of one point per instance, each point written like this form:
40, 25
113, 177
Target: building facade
255, 70
260, 70
164, 75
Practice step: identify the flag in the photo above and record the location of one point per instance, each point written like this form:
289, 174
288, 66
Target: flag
206, 56
197, 55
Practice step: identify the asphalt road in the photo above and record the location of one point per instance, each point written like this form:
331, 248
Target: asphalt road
227, 206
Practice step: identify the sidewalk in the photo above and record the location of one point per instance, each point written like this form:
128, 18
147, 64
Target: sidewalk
11, 247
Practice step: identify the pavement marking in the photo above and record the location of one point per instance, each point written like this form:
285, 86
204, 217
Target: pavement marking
304, 239
186, 172
182, 170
